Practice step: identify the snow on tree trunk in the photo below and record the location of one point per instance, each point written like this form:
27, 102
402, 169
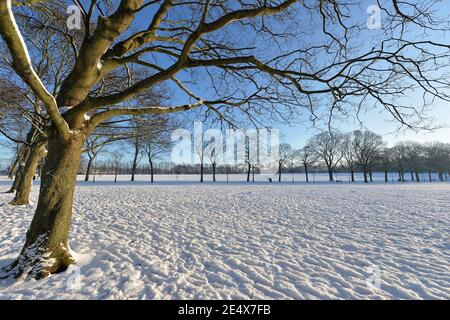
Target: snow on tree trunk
46, 249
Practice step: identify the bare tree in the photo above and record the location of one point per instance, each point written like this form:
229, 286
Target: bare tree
367, 147
413, 152
349, 154
328, 147
307, 157
214, 150
399, 156
156, 140
96, 142
284, 155
386, 160
116, 161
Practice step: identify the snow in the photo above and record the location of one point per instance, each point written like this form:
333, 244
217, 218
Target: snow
186, 240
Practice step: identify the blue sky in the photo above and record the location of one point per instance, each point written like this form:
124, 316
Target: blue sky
298, 133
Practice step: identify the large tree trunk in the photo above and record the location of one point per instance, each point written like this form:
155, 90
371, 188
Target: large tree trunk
22, 197
214, 171
89, 168
46, 249
249, 167
306, 172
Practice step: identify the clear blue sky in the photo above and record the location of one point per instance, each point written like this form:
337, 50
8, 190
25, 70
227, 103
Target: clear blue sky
297, 134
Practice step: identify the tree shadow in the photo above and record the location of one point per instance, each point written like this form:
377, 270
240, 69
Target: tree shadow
6, 277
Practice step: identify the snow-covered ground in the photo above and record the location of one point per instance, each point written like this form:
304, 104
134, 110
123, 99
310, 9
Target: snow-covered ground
183, 240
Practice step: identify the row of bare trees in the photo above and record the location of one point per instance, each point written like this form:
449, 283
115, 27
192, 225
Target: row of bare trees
366, 152
352, 152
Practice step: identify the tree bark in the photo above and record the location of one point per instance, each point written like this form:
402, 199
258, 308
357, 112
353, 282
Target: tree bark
371, 175
417, 176
17, 178
214, 171
386, 179
201, 172
12, 171
150, 161
429, 176
46, 249
279, 171
412, 175
135, 159
365, 175
88, 169
22, 197
330, 174
248, 172
306, 172
352, 173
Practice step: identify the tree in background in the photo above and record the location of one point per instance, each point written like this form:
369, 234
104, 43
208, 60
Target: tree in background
349, 154
367, 147
284, 155
328, 148
156, 140
307, 158
399, 157
386, 161
413, 154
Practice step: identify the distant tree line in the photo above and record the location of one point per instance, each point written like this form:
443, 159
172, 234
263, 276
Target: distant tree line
366, 152
331, 152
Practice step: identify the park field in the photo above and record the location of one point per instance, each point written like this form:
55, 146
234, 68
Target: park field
186, 240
